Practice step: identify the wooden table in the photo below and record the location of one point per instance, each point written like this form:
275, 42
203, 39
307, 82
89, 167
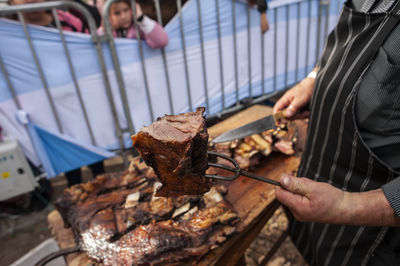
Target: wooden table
253, 200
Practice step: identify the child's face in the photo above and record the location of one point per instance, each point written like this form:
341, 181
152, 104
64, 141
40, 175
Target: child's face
120, 15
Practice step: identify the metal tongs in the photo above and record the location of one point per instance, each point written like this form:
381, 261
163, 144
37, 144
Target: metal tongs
236, 170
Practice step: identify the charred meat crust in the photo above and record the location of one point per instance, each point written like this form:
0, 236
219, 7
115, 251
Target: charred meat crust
117, 220
175, 146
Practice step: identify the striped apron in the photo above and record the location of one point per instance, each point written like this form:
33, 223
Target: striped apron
335, 152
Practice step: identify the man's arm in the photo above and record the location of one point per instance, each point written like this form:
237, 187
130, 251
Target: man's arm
321, 202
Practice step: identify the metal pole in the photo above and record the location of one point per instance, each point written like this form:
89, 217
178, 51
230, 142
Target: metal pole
9, 84
120, 81
179, 5
275, 45
327, 12
249, 52
203, 60
159, 19
73, 75
308, 34
235, 51
287, 46
262, 63
298, 42
221, 68
146, 84
40, 70
96, 40
110, 98
318, 31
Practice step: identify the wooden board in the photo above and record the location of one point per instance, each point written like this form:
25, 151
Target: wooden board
253, 200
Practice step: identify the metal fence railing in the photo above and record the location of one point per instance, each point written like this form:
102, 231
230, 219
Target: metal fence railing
96, 39
280, 64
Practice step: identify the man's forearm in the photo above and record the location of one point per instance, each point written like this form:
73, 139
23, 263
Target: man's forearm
313, 201
369, 208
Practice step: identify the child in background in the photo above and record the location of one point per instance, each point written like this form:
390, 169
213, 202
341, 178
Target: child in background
121, 19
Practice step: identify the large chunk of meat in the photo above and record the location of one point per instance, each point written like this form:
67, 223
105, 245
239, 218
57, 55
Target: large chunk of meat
162, 242
117, 220
175, 146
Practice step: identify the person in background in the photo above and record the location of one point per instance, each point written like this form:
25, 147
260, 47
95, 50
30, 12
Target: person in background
121, 19
45, 18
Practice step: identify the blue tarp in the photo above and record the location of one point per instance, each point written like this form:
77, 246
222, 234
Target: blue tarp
59, 154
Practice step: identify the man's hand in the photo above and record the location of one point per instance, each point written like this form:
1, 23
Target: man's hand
295, 99
312, 201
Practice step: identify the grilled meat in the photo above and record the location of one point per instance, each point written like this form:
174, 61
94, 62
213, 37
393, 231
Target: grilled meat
249, 151
175, 146
117, 220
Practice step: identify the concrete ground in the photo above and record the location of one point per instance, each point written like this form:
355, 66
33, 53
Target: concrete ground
21, 233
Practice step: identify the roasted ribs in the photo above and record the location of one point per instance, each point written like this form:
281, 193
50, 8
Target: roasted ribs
175, 146
117, 220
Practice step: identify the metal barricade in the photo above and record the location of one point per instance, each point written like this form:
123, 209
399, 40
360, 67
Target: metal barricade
53, 6
290, 8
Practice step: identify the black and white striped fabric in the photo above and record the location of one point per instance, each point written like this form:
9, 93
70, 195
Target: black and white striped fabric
335, 152
377, 6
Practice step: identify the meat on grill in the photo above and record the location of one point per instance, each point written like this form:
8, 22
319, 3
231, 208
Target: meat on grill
117, 220
249, 151
175, 146
163, 242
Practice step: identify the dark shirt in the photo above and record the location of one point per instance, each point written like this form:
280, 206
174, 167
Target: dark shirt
262, 6
378, 117
378, 108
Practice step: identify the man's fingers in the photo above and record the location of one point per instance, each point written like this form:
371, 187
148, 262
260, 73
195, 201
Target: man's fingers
294, 108
281, 104
289, 199
291, 110
295, 185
